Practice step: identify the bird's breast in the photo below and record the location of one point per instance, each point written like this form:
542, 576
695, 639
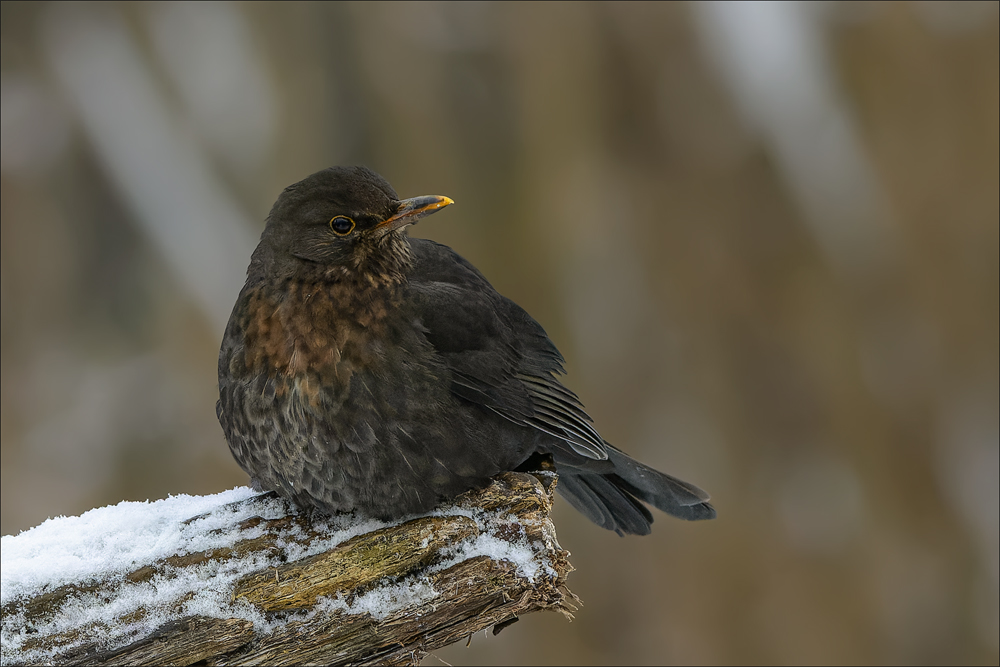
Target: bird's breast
317, 333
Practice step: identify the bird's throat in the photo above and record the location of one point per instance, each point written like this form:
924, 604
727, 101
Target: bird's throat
382, 260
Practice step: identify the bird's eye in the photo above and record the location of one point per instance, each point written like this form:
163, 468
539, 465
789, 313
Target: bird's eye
342, 225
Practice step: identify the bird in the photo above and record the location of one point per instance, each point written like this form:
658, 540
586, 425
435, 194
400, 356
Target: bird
364, 371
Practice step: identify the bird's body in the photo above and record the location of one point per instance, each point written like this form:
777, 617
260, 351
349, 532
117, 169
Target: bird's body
363, 371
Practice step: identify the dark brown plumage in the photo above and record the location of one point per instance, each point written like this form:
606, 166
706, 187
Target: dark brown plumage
365, 371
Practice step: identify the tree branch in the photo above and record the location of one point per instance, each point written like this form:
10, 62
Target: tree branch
385, 596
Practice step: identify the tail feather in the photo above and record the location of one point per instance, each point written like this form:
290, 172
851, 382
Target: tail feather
669, 494
611, 500
606, 504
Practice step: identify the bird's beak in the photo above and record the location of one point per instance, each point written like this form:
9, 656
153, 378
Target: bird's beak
411, 210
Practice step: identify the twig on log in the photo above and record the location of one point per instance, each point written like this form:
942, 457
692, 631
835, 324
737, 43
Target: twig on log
282, 591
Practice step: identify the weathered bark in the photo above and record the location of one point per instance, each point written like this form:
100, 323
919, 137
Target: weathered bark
470, 595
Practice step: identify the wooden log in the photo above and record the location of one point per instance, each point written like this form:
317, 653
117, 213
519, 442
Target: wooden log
386, 596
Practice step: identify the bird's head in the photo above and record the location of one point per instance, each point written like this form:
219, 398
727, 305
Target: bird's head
346, 217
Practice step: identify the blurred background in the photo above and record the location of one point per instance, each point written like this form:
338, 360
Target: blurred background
765, 236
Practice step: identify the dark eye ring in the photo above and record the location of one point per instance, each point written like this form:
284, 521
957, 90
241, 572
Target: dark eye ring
342, 225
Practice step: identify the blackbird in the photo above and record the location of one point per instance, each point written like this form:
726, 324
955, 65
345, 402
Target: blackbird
364, 371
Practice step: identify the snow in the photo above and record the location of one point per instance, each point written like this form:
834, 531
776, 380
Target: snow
385, 600
108, 543
113, 540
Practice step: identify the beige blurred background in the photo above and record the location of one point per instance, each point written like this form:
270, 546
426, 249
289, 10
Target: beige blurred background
764, 236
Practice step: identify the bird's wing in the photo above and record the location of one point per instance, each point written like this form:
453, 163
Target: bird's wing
499, 356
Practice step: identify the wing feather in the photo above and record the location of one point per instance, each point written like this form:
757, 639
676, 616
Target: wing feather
498, 355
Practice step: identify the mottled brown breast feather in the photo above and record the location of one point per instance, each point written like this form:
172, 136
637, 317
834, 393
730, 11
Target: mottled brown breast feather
306, 327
